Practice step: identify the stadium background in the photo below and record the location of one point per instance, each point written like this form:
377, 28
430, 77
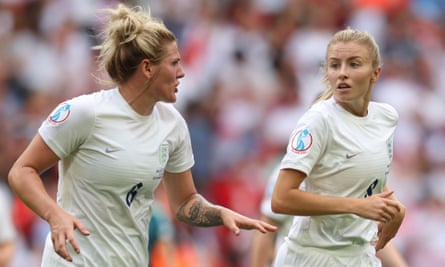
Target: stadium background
252, 67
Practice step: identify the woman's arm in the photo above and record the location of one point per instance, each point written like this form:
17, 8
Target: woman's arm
7, 249
391, 257
287, 198
24, 179
191, 208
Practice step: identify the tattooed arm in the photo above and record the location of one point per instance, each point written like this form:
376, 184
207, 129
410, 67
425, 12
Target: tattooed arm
191, 208
199, 212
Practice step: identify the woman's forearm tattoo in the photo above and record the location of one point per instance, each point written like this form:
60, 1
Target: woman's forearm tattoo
199, 212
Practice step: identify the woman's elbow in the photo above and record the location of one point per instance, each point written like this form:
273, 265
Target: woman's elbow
12, 174
277, 205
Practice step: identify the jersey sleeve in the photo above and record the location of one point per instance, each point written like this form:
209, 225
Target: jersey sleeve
181, 157
68, 125
306, 143
390, 115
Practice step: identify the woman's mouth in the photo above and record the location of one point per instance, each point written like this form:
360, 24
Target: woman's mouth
343, 86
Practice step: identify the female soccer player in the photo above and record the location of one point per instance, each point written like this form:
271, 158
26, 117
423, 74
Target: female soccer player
342, 150
114, 147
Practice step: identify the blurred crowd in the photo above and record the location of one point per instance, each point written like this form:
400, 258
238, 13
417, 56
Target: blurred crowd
252, 67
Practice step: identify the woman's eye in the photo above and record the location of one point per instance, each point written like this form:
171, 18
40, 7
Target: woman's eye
354, 64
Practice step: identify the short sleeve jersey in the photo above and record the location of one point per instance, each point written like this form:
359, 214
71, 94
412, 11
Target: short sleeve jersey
342, 155
112, 159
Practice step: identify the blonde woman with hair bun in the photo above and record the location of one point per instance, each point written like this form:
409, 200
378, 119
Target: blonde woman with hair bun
113, 148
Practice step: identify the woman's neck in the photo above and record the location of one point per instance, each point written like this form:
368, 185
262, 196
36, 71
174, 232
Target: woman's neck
137, 97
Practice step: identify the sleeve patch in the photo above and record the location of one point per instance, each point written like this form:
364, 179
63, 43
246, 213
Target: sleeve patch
60, 114
301, 141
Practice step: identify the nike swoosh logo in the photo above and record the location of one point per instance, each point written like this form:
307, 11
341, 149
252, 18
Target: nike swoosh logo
111, 150
350, 156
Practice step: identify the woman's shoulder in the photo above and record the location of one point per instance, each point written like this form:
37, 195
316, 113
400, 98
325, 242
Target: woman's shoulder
90, 98
322, 109
384, 110
78, 108
168, 110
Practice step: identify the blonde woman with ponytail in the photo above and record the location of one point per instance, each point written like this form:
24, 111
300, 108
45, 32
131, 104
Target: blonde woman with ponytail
114, 147
342, 150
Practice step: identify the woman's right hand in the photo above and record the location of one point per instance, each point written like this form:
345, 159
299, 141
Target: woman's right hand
379, 207
62, 227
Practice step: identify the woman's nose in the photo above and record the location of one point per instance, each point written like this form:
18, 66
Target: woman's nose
343, 74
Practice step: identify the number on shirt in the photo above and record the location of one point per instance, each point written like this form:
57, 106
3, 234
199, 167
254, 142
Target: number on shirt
132, 193
371, 188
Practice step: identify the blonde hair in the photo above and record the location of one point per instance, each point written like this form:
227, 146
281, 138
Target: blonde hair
345, 36
131, 35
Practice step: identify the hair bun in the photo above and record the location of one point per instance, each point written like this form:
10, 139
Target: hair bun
126, 27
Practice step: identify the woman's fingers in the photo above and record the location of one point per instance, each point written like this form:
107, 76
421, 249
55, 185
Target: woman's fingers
59, 243
62, 235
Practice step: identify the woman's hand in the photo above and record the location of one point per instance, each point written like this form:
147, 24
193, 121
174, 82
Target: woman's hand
198, 211
62, 227
387, 231
235, 221
193, 209
379, 207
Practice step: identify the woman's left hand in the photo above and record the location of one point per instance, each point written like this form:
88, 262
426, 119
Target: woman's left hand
235, 221
386, 231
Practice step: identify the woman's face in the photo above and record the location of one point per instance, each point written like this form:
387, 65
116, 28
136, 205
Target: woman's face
167, 74
350, 74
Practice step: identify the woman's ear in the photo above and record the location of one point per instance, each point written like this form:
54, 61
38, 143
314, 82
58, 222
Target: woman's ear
375, 75
146, 67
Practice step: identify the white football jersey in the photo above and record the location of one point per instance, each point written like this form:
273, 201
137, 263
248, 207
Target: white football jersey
342, 155
112, 159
